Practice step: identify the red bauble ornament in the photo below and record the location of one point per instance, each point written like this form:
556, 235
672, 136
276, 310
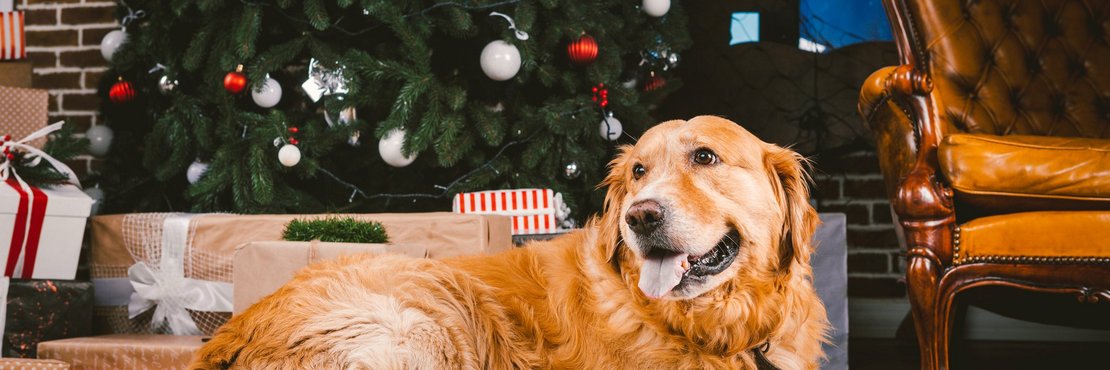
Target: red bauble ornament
583, 51
121, 92
655, 82
235, 82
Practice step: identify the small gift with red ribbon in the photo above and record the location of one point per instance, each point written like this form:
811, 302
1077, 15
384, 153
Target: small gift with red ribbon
534, 211
41, 228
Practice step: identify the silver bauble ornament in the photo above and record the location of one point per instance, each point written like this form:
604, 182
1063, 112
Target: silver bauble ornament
672, 60
571, 170
195, 171
390, 148
97, 197
111, 42
500, 60
166, 84
100, 139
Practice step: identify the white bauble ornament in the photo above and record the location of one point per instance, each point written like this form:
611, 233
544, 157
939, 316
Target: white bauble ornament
195, 171
111, 42
289, 155
656, 8
500, 60
390, 149
267, 95
610, 128
100, 139
97, 197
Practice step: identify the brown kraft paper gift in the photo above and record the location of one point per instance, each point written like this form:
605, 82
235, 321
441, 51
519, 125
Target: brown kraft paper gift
124, 351
263, 267
120, 241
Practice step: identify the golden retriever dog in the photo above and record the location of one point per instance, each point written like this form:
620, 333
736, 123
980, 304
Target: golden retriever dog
699, 260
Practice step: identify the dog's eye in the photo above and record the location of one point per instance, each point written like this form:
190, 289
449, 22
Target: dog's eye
705, 157
638, 171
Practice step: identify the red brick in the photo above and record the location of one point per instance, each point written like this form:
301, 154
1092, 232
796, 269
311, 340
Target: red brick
43, 17
876, 287
80, 123
62, 80
868, 262
40, 59
92, 79
96, 165
87, 15
93, 36
51, 38
83, 58
79, 166
864, 189
86, 102
880, 214
826, 187
859, 163
886, 238
856, 213
52, 103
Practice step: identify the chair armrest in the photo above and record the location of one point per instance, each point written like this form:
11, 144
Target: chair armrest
896, 103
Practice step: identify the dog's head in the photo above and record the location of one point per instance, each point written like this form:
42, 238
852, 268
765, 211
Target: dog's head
703, 202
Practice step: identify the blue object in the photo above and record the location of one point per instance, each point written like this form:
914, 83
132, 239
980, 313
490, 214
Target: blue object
831, 24
744, 28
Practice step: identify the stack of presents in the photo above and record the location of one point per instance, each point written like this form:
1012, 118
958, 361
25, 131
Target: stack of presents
143, 291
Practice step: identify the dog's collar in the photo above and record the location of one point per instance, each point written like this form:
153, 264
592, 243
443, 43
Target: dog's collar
761, 361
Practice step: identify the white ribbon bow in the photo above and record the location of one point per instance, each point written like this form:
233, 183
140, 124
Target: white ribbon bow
168, 290
7, 167
171, 296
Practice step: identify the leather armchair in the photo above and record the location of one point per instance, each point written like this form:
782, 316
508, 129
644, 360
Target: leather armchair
994, 141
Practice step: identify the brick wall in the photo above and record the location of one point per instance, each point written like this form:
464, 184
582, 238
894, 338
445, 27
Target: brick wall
853, 184
63, 44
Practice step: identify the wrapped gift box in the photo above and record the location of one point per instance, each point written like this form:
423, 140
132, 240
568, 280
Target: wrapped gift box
41, 230
124, 351
22, 112
13, 43
152, 251
533, 211
15, 74
32, 364
40, 310
263, 267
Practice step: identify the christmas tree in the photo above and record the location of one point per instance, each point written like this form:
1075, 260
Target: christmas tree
293, 106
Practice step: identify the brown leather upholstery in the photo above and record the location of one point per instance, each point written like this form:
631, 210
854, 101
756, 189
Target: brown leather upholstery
1025, 237
1020, 172
1000, 107
1003, 67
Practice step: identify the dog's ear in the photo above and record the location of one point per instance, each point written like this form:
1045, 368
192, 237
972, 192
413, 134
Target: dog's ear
609, 232
787, 170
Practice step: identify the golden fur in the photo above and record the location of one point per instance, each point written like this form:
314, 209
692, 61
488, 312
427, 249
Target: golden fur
573, 302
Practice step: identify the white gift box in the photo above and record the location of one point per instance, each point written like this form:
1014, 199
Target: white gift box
51, 235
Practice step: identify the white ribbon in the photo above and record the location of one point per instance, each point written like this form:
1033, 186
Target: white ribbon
7, 168
168, 290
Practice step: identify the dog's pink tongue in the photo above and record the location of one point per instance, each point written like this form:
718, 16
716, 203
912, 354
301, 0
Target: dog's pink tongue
660, 273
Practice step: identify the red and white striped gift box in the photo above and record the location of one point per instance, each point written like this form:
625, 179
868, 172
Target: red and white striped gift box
13, 43
533, 210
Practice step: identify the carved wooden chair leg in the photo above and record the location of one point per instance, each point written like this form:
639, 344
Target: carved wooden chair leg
922, 273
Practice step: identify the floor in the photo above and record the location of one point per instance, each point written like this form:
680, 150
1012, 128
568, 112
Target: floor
890, 354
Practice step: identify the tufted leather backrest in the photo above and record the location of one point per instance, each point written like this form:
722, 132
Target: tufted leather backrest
1033, 67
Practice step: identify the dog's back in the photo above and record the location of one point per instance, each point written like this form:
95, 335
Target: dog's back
384, 312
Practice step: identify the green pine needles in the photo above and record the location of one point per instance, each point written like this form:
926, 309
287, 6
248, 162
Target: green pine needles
408, 64
63, 146
335, 229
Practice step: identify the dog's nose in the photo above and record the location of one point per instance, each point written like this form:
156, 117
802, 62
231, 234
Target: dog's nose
644, 216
